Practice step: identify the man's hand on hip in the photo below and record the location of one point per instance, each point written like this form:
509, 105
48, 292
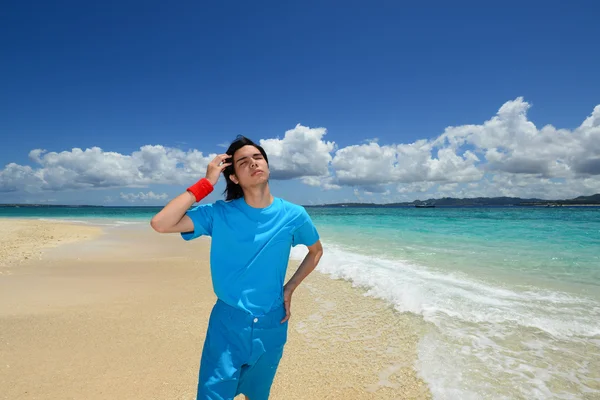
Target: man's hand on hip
287, 301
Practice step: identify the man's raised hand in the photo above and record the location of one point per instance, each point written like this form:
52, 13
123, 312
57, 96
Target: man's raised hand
216, 166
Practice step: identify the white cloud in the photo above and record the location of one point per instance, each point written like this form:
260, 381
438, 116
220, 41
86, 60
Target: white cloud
364, 165
511, 143
527, 159
529, 186
16, 177
301, 153
506, 155
448, 187
141, 196
324, 182
371, 165
94, 168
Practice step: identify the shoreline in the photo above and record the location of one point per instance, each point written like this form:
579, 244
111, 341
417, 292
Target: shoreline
124, 315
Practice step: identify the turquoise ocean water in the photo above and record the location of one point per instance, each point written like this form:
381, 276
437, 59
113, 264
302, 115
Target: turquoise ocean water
508, 298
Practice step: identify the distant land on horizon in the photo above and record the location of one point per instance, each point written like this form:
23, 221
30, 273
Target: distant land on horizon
444, 201
478, 201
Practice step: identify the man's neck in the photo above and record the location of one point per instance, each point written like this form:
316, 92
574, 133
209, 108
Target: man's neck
258, 197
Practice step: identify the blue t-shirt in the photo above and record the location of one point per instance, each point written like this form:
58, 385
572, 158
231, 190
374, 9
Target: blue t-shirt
250, 248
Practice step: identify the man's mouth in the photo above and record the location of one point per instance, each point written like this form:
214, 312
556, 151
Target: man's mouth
256, 172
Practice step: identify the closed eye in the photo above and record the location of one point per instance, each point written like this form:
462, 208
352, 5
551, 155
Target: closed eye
243, 160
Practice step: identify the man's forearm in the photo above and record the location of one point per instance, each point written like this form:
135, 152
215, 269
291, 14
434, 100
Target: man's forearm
172, 213
306, 267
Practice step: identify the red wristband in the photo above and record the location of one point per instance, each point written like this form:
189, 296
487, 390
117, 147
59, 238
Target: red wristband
201, 189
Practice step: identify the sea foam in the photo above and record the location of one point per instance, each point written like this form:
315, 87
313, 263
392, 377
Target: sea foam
518, 342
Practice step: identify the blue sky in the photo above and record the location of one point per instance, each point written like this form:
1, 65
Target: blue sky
122, 75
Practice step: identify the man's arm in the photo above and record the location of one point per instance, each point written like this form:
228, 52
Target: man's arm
306, 267
172, 218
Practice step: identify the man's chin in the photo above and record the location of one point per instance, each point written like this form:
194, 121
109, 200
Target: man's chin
258, 180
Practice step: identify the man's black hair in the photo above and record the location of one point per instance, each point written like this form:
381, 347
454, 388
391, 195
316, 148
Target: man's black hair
233, 190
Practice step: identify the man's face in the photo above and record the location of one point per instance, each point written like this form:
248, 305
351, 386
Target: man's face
250, 167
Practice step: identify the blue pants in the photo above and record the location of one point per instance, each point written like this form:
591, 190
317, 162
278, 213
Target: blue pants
241, 353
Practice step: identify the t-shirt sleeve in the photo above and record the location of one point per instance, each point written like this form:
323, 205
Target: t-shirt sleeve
202, 217
306, 233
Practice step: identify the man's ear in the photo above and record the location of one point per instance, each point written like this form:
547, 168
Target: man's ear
234, 179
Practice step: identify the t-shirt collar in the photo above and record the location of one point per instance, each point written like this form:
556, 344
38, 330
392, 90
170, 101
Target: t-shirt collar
253, 210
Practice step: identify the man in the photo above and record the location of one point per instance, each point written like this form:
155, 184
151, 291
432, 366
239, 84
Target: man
252, 234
